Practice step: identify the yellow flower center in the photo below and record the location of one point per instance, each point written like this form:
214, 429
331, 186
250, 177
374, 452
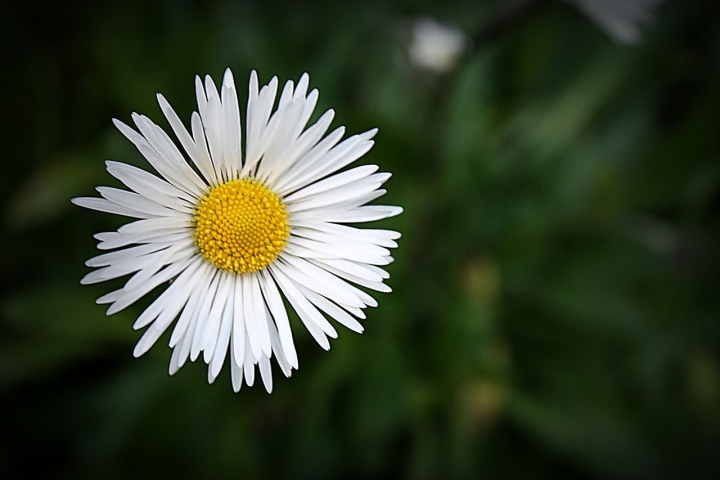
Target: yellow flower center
241, 226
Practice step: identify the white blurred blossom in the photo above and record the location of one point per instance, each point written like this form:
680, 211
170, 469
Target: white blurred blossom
620, 19
435, 46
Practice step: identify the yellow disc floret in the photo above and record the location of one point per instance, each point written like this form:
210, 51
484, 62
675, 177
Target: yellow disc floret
241, 226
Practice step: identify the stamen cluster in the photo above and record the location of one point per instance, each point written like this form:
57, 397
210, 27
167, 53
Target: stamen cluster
241, 226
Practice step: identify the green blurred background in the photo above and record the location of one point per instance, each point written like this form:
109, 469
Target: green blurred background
556, 290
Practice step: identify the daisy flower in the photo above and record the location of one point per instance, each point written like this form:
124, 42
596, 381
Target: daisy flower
436, 47
231, 237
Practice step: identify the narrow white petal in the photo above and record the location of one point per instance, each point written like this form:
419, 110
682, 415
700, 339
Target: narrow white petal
373, 285
329, 205
314, 330
135, 202
148, 185
259, 307
214, 123
370, 134
278, 149
249, 364
201, 281
132, 252
103, 205
258, 113
236, 370
232, 124
151, 224
221, 348
286, 95
354, 191
352, 268
154, 332
203, 316
156, 262
305, 310
384, 238
295, 176
160, 164
333, 182
204, 162
369, 213
177, 293
117, 240
201, 97
356, 243
238, 333
308, 109
211, 330
277, 308
185, 341
353, 252
277, 349
266, 373
251, 326
167, 151
331, 309
303, 272
307, 141
340, 156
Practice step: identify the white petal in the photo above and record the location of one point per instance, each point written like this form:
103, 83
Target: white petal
249, 364
117, 240
342, 155
259, 109
132, 252
149, 186
236, 370
295, 176
255, 325
259, 308
177, 293
314, 321
303, 272
277, 308
156, 262
203, 315
214, 123
368, 213
211, 329
276, 346
266, 373
103, 205
356, 243
336, 250
168, 152
384, 238
333, 182
134, 201
218, 358
202, 281
364, 282
204, 162
197, 152
232, 124
238, 333
331, 309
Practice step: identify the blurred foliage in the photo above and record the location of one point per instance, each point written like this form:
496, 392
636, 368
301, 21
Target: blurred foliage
556, 290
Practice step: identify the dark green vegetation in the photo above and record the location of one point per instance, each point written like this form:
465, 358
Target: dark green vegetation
556, 290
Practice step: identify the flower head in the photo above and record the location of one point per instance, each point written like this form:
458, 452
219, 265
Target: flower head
235, 236
435, 46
